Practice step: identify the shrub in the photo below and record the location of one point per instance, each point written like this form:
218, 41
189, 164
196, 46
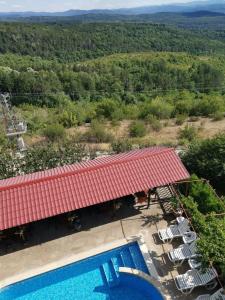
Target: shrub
158, 108
211, 233
184, 106
218, 116
211, 244
197, 218
145, 143
54, 132
131, 111
137, 129
205, 198
180, 119
121, 145
154, 122
67, 119
207, 105
3, 139
183, 142
108, 109
188, 132
97, 134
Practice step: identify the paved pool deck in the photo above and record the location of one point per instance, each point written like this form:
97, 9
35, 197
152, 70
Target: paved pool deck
101, 232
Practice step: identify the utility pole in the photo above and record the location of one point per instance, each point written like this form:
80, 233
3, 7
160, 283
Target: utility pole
14, 127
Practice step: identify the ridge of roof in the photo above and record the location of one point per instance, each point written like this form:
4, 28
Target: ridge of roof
160, 150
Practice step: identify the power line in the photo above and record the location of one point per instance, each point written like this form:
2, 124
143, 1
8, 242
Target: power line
194, 89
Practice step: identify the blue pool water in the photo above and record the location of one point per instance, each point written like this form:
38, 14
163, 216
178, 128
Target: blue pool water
95, 278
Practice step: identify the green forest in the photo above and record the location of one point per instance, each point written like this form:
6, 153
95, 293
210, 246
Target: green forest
133, 86
75, 42
64, 75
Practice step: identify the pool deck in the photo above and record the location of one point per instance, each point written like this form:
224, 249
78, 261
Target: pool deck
101, 233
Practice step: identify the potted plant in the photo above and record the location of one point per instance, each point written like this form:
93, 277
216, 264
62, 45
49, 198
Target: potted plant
177, 210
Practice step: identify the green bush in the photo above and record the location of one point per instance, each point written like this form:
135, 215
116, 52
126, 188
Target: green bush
211, 244
188, 132
109, 109
154, 122
180, 119
184, 102
211, 234
159, 108
131, 111
121, 145
207, 105
197, 218
146, 143
54, 132
218, 116
205, 197
137, 129
97, 134
3, 139
67, 119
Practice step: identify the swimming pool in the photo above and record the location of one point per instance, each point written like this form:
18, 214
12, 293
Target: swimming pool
94, 278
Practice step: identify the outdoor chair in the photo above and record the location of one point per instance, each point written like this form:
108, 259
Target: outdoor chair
185, 283
218, 295
182, 253
178, 230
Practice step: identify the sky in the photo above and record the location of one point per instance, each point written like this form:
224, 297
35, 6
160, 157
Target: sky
62, 5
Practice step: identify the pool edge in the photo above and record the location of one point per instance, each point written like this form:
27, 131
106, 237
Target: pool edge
83, 255
63, 262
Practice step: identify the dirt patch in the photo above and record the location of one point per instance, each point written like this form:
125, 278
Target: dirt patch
169, 134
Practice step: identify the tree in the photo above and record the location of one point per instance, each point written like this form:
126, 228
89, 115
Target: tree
188, 133
207, 159
54, 132
41, 158
207, 78
137, 129
97, 134
8, 165
121, 145
108, 108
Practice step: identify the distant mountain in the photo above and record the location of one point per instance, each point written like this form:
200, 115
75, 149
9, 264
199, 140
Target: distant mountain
217, 6
203, 13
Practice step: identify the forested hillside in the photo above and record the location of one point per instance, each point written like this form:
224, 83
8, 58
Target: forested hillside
125, 77
75, 42
62, 76
145, 86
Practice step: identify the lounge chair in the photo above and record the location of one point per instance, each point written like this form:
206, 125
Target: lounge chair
183, 252
167, 234
218, 295
185, 283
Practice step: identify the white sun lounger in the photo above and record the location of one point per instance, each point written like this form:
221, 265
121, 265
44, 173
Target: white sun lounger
183, 252
167, 234
185, 283
218, 295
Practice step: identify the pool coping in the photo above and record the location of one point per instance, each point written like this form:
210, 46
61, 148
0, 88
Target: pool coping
83, 255
146, 253
61, 263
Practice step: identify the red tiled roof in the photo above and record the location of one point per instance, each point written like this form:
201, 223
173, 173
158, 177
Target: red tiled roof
40, 195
